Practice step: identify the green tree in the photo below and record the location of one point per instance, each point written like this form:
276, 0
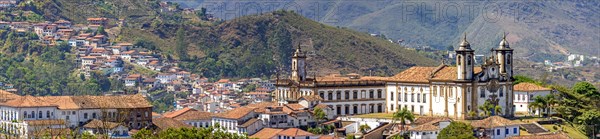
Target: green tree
551, 102
181, 45
486, 108
403, 115
525, 79
586, 89
588, 119
457, 130
202, 14
539, 103
364, 128
319, 115
101, 31
498, 109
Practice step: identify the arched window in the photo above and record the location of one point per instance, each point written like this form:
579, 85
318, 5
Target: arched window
32, 114
424, 98
507, 59
469, 60
47, 114
459, 60
347, 93
392, 95
25, 114
501, 92
294, 64
481, 92
322, 94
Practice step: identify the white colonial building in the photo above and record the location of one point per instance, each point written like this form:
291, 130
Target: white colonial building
445, 90
455, 91
525, 94
496, 127
21, 116
346, 94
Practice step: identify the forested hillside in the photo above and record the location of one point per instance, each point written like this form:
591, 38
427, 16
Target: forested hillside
538, 30
249, 46
41, 70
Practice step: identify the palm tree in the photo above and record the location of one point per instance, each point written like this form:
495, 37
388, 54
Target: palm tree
535, 106
498, 109
550, 102
403, 115
486, 107
364, 128
540, 103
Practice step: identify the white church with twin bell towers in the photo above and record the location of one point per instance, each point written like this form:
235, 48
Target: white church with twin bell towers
454, 91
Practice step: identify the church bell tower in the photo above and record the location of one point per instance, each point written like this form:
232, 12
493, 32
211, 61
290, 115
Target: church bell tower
464, 60
504, 55
299, 65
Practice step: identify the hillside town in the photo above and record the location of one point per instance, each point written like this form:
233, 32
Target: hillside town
167, 69
417, 103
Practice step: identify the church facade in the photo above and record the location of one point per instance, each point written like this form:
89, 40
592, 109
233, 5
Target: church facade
446, 90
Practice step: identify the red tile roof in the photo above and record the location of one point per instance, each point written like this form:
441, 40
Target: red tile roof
236, 113
294, 132
530, 87
266, 133
493, 121
165, 123
542, 136
177, 113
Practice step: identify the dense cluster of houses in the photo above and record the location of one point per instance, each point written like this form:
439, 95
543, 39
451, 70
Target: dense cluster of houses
225, 94
33, 116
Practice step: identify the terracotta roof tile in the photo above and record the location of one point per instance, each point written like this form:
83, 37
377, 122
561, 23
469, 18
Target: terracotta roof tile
413, 74
542, 136
424, 127
250, 122
266, 133
493, 121
529, 87
177, 113
294, 132
257, 93
194, 115
449, 73
236, 113
295, 106
429, 119
165, 123
322, 106
223, 81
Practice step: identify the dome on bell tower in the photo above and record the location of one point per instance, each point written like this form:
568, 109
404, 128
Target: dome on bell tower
464, 44
503, 43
